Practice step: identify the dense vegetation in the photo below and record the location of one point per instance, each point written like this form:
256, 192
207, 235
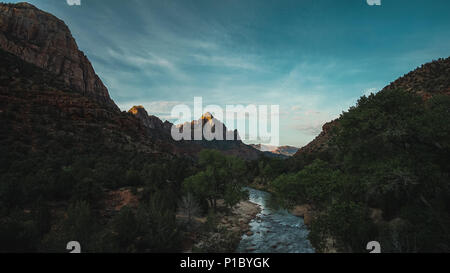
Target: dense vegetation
47, 200
220, 177
389, 153
63, 155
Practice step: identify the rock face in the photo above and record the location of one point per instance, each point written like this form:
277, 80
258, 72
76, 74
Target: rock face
229, 230
230, 144
304, 211
163, 130
45, 41
44, 74
207, 125
39, 112
151, 122
50, 95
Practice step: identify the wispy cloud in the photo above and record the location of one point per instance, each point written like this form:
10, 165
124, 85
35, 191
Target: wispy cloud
309, 58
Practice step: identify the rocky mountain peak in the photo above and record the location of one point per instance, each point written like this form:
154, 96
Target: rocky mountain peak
207, 116
138, 111
42, 39
149, 121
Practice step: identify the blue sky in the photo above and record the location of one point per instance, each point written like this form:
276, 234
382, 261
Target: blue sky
314, 58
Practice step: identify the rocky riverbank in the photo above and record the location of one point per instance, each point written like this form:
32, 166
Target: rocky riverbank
308, 213
223, 233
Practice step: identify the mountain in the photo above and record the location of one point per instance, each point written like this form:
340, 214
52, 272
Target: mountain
42, 39
52, 82
51, 98
285, 150
273, 151
231, 142
69, 155
381, 166
427, 80
206, 123
151, 122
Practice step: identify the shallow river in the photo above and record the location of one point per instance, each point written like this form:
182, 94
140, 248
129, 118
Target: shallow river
274, 230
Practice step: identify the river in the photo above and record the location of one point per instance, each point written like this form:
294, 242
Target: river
274, 230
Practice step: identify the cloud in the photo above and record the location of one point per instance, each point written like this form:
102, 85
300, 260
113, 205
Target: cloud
236, 62
74, 2
310, 122
148, 63
374, 2
153, 107
162, 53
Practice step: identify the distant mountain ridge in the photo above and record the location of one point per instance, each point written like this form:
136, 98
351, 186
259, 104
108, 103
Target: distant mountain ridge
232, 145
281, 151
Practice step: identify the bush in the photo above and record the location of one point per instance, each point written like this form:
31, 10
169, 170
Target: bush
348, 223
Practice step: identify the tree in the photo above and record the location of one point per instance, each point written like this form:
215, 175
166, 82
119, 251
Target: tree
288, 190
348, 223
320, 183
18, 233
189, 207
125, 228
265, 171
79, 225
316, 184
220, 176
158, 230
87, 190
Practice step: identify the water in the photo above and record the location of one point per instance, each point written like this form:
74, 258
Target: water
274, 230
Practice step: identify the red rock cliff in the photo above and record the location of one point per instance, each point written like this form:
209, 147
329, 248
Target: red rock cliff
42, 39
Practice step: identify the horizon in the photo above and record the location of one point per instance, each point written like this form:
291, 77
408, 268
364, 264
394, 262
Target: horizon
313, 58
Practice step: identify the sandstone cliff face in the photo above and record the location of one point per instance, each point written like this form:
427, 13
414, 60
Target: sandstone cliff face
209, 125
39, 112
45, 41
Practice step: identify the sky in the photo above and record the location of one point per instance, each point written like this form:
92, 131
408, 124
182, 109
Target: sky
313, 58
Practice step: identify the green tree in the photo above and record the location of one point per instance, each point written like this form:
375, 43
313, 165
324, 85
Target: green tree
79, 225
347, 223
189, 208
125, 229
221, 177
